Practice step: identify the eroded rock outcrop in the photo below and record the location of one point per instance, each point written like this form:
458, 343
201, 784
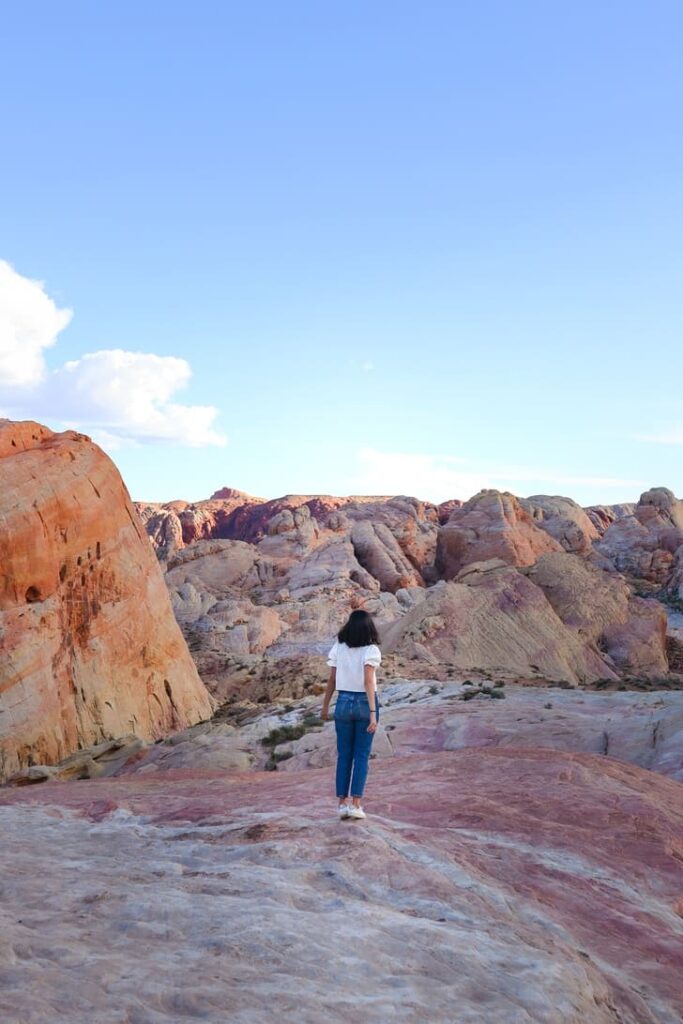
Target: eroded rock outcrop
564, 520
492, 524
602, 516
644, 545
494, 619
90, 647
629, 631
287, 589
290, 569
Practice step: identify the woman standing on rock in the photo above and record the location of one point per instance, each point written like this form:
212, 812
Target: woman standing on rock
353, 659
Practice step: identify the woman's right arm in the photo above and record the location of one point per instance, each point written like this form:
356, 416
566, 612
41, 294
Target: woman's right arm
331, 682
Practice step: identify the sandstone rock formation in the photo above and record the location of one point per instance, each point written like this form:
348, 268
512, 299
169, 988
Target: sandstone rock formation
629, 631
278, 577
676, 579
378, 551
645, 544
178, 523
494, 619
490, 525
645, 729
564, 520
289, 588
602, 516
90, 648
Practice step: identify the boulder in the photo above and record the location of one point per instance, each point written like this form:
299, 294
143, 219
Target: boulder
562, 519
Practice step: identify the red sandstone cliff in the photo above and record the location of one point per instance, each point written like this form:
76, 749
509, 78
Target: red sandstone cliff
89, 645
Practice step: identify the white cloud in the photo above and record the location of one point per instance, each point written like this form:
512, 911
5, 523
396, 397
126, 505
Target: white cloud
673, 436
29, 323
126, 396
440, 477
119, 397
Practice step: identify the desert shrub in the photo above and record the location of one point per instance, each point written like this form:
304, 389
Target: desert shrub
483, 691
312, 721
283, 733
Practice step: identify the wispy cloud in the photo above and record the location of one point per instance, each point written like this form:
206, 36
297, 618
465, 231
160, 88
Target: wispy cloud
440, 477
120, 397
672, 436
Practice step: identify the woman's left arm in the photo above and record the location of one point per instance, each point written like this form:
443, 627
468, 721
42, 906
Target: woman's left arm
329, 690
370, 689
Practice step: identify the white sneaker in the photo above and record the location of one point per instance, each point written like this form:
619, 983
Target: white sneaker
356, 812
343, 811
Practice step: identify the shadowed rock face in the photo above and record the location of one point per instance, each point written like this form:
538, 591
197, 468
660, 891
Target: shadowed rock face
486, 886
90, 648
602, 516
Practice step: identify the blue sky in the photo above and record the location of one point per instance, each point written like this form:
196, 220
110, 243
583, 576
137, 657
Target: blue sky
411, 248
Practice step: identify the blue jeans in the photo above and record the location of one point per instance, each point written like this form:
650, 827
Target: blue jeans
351, 721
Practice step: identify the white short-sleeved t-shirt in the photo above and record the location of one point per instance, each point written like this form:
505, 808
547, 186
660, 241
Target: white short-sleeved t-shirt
350, 663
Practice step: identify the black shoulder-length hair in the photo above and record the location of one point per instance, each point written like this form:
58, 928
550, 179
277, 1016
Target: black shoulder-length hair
359, 630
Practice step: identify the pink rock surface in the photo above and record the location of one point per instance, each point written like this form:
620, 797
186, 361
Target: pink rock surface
90, 647
486, 886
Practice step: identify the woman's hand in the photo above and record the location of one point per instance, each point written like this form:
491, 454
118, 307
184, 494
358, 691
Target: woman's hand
325, 713
373, 725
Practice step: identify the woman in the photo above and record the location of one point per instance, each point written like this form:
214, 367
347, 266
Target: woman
353, 659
